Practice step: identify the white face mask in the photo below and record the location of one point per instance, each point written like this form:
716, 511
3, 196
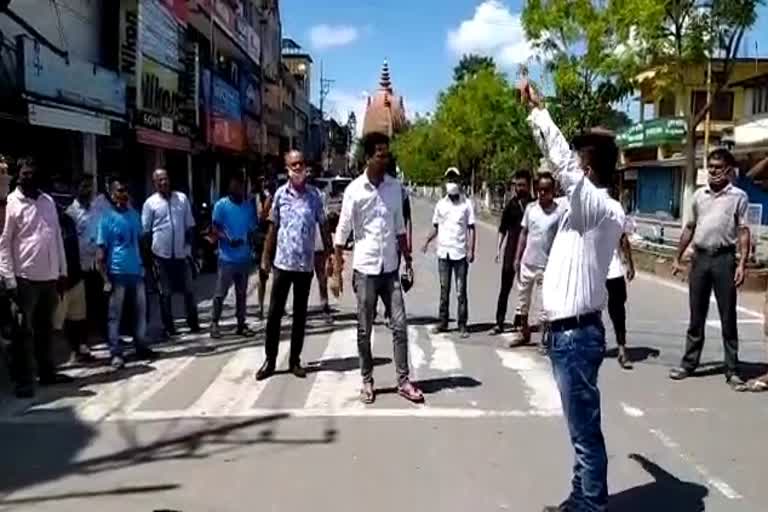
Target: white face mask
452, 189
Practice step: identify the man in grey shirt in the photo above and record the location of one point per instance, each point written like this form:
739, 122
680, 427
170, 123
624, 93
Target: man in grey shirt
716, 224
168, 223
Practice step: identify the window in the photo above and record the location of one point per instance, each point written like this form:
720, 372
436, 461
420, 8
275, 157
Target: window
667, 107
760, 100
722, 107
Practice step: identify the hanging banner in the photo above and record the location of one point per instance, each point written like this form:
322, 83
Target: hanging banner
223, 113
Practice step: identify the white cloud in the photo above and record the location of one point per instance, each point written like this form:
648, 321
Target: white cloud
340, 103
330, 36
493, 31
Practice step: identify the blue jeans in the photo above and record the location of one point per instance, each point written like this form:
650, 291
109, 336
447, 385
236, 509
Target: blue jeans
116, 301
576, 358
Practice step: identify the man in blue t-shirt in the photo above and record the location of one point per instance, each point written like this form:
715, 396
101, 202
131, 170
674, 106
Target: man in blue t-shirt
119, 259
234, 220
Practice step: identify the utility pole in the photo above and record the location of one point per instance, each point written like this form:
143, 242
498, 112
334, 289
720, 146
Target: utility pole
325, 89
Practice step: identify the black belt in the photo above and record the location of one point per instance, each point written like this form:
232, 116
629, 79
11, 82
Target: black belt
575, 322
717, 251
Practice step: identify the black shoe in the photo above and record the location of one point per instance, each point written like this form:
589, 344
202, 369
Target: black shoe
440, 329
266, 371
145, 354
245, 332
497, 330
195, 329
55, 378
463, 333
24, 391
298, 371
215, 332
679, 373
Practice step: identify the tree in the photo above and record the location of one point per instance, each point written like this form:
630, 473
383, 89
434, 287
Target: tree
674, 36
470, 65
620, 39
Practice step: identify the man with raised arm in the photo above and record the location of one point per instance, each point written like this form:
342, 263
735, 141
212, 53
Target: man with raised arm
574, 292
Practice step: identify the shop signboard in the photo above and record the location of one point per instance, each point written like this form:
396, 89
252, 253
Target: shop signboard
74, 82
656, 132
62, 119
235, 26
253, 134
250, 91
224, 113
160, 105
161, 34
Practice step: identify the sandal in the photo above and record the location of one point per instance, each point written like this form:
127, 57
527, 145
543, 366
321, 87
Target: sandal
624, 362
367, 394
411, 393
757, 386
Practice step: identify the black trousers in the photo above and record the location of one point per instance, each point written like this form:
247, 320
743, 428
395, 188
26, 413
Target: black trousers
617, 297
31, 349
282, 280
712, 272
97, 304
507, 282
176, 276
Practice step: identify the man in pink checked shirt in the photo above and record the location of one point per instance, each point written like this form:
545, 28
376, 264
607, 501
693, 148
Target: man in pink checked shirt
33, 267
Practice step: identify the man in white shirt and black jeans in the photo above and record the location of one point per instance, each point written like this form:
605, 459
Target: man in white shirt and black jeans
574, 292
373, 211
454, 228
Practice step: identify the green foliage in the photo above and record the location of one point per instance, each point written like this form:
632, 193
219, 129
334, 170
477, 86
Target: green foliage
478, 126
470, 65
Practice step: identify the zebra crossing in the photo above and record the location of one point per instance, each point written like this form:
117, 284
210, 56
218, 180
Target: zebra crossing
461, 379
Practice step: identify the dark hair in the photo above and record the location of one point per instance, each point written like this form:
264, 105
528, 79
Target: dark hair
27, 161
545, 176
236, 177
523, 174
373, 139
724, 155
601, 155
86, 179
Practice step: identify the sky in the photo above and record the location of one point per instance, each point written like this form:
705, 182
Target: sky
421, 39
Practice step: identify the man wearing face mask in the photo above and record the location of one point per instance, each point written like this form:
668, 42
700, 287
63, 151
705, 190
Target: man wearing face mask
454, 227
716, 225
33, 266
297, 211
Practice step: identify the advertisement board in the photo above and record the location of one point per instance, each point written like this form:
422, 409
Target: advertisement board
224, 113
74, 82
161, 34
250, 91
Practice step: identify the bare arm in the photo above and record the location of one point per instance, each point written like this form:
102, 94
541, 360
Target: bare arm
432, 235
500, 245
472, 242
269, 248
7, 241
626, 252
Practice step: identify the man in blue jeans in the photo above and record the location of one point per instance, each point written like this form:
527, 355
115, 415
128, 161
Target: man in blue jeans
234, 220
119, 259
574, 292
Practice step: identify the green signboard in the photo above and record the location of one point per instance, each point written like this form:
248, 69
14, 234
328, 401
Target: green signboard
657, 132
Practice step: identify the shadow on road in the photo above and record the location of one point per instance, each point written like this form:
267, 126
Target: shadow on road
343, 364
666, 492
37, 453
635, 354
432, 386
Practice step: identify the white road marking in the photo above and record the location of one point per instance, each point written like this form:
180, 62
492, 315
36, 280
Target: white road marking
338, 391
115, 397
415, 352
543, 395
714, 482
633, 412
444, 358
684, 289
235, 380
53, 417
248, 390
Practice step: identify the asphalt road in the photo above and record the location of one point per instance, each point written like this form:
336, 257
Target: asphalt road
194, 432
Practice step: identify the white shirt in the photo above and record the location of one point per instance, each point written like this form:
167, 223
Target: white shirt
375, 216
453, 221
168, 221
589, 231
541, 228
616, 269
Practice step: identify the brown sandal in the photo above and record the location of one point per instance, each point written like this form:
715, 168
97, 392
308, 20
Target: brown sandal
411, 393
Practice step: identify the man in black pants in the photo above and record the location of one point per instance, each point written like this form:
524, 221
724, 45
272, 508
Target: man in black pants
716, 223
297, 211
509, 230
616, 285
